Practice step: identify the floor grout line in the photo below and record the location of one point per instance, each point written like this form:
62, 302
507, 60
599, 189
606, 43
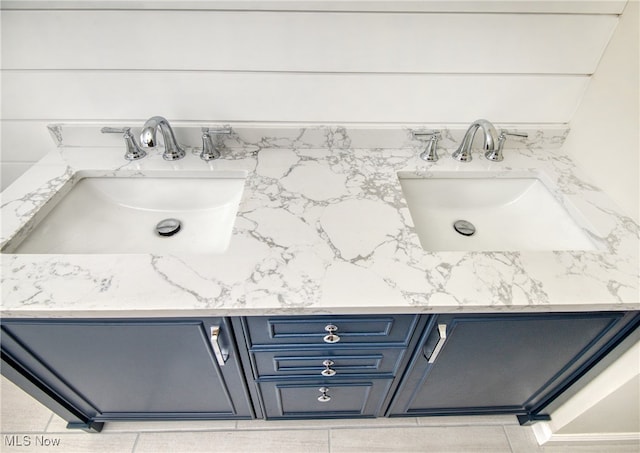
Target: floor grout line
46, 427
504, 430
135, 443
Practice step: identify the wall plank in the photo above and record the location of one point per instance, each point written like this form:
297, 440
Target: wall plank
302, 61
313, 97
502, 6
294, 41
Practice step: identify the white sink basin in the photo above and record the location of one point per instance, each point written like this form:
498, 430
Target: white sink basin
120, 214
509, 214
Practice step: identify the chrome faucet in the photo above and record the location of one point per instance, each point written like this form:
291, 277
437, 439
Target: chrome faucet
463, 153
172, 151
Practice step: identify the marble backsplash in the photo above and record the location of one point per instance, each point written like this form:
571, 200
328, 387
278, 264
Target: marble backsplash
255, 137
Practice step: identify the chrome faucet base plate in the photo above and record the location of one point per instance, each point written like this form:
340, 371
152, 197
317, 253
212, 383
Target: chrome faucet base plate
462, 157
176, 155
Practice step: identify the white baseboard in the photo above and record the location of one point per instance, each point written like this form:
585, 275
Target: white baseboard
544, 435
542, 431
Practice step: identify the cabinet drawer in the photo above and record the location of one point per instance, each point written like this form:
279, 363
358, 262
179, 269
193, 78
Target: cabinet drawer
313, 330
337, 363
324, 398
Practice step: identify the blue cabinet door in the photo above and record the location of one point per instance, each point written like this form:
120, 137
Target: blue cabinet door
471, 364
133, 369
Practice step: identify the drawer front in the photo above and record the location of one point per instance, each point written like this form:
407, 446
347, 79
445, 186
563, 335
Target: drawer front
331, 362
267, 331
324, 398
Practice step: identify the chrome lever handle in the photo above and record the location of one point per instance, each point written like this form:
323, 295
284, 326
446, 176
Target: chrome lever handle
496, 154
420, 134
442, 332
114, 130
218, 131
210, 150
134, 152
515, 134
221, 356
430, 153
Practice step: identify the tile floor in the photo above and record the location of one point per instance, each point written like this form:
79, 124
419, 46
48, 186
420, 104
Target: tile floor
27, 426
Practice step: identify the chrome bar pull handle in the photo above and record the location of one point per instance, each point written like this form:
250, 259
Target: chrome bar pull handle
221, 355
331, 337
442, 331
328, 371
324, 398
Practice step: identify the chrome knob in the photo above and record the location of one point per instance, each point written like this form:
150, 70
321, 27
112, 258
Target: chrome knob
331, 337
328, 371
324, 398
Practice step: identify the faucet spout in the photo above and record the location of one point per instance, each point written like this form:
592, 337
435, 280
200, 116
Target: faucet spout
172, 151
463, 153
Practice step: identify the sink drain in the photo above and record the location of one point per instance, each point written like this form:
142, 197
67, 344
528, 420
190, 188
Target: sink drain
464, 228
168, 227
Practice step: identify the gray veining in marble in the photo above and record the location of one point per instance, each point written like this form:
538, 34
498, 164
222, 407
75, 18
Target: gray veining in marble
320, 230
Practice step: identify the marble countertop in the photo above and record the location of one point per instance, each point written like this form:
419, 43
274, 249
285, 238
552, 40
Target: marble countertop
320, 231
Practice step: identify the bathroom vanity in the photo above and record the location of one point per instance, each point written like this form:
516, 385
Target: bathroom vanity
325, 297
284, 367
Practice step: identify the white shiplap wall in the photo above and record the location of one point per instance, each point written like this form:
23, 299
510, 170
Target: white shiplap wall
296, 62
